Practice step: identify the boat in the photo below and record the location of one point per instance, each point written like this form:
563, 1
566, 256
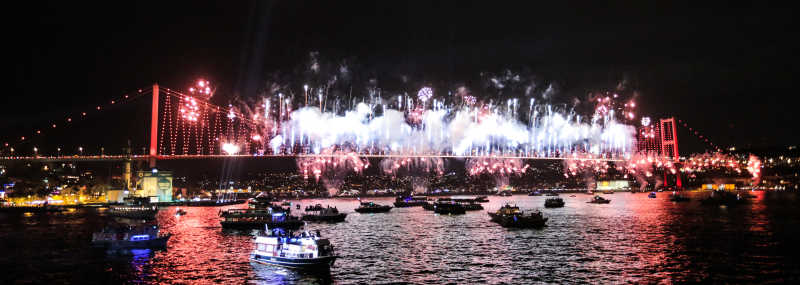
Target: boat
286, 203
134, 211
552, 194
599, 200
535, 193
678, 198
608, 192
505, 193
298, 206
306, 251
573, 195
410, 201
317, 207
512, 217
371, 207
554, 203
123, 236
180, 212
471, 205
449, 208
428, 206
257, 218
651, 195
328, 214
261, 202
482, 199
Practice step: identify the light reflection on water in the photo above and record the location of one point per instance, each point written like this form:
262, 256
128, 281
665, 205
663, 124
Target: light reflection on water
633, 239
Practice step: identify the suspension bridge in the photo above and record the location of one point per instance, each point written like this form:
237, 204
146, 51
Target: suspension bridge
188, 126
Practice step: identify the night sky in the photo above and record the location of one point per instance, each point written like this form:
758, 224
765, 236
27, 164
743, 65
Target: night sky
727, 70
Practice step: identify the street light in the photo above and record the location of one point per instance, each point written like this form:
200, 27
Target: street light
35, 151
80, 149
59, 151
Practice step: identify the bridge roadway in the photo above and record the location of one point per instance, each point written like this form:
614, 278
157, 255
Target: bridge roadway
90, 158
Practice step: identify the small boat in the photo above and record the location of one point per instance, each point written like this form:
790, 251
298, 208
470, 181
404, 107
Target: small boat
180, 212
122, 236
257, 218
449, 208
298, 206
505, 193
599, 200
678, 198
428, 206
410, 201
306, 251
554, 203
535, 193
573, 195
651, 195
371, 207
329, 214
608, 192
482, 199
512, 217
286, 203
551, 194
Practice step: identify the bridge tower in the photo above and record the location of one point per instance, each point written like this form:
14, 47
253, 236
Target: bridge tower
669, 144
154, 128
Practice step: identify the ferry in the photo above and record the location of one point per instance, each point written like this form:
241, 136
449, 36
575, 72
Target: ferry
122, 236
554, 203
131, 211
410, 201
471, 205
599, 200
306, 251
512, 217
328, 214
257, 218
371, 207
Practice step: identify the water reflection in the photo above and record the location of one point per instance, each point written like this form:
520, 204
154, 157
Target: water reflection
266, 274
632, 239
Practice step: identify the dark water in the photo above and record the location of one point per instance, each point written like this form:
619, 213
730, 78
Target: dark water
633, 239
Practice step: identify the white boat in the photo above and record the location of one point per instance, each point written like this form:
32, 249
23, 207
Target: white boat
306, 251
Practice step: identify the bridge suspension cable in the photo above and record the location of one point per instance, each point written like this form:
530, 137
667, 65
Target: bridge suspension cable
70, 118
